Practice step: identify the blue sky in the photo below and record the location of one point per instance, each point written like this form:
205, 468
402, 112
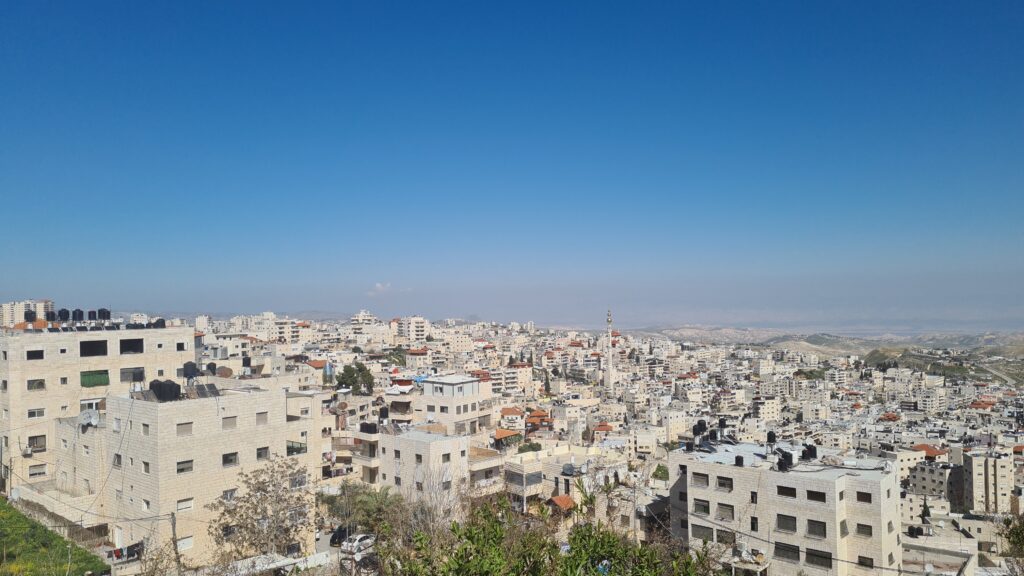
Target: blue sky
744, 163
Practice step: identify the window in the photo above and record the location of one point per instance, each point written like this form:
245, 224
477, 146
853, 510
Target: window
132, 346
864, 497
145, 429
184, 429
724, 483
261, 418
145, 504
445, 458
37, 443
3, 385
229, 459
784, 523
419, 458
753, 497
63, 380
430, 407
229, 423
33, 355
444, 409
864, 530
180, 346
816, 529
184, 543
726, 537
263, 453
145, 467
398, 481
701, 507
815, 496
700, 480
131, 375
37, 470
702, 532
419, 486
866, 561
682, 496
787, 552
185, 504
398, 454
725, 512
786, 491
36, 412
753, 523
36, 385
446, 485
184, 467
117, 425
228, 495
117, 460
89, 348
842, 495
93, 378
818, 558
891, 528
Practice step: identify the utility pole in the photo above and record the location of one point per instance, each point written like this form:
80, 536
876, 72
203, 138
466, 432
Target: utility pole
174, 539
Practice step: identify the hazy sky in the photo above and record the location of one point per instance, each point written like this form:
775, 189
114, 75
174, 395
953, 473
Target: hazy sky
722, 163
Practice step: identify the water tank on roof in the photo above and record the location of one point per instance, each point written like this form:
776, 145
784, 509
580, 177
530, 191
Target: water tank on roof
63, 315
771, 437
738, 460
30, 316
77, 315
103, 313
721, 423
51, 316
92, 316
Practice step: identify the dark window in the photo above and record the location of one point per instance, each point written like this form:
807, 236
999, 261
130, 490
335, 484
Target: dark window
34, 355
815, 496
230, 459
37, 443
725, 512
92, 348
864, 530
787, 551
132, 346
753, 497
818, 558
129, 375
682, 496
419, 458
864, 497
701, 507
184, 466
700, 479
180, 347
263, 453
724, 483
786, 491
816, 528
753, 523
726, 537
36, 384
702, 532
866, 561
784, 523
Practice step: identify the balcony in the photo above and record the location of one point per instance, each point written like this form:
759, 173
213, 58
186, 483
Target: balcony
295, 448
366, 457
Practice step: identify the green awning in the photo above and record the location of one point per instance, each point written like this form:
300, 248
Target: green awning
94, 378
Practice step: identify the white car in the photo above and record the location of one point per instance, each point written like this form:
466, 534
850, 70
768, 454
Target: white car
358, 543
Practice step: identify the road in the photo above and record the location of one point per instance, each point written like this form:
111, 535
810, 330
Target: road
1009, 381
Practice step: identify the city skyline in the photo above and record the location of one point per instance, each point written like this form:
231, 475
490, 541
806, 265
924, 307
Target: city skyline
768, 165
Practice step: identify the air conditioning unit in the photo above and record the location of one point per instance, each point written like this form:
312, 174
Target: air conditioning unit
27, 452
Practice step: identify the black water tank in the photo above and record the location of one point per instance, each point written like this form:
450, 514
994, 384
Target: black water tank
738, 461
771, 437
368, 427
190, 369
689, 446
246, 361
696, 430
721, 423
103, 313
383, 413
30, 316
51, 316
77, 315
63, 315
713, 435
160, 323
211, 368
92, 316
703, 425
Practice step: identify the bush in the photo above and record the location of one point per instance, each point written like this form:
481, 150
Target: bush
32, 549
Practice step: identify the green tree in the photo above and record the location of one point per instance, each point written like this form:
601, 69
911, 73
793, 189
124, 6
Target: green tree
660, 473
349, 378
547, 383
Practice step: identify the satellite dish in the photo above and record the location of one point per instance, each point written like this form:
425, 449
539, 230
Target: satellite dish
89, 418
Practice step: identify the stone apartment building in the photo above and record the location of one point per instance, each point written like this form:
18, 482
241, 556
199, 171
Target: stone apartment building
56, 372
148, 458
820, 515
988, 481
459, 403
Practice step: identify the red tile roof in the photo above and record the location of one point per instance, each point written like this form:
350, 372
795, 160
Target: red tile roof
563, 501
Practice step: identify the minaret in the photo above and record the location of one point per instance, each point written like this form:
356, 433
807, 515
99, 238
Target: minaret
609, 371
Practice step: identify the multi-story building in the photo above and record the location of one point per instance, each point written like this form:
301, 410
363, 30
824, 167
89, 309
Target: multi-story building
788, 512
56, 373
460, 403
413, 329
149, 458
988, 481
12, 313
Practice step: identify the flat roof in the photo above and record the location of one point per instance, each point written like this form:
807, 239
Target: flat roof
451, 379
828, 464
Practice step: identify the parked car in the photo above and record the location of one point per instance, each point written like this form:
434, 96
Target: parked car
358, 543
339, 536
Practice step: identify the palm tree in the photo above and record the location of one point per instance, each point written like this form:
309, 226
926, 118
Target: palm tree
374, 506
587, 499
